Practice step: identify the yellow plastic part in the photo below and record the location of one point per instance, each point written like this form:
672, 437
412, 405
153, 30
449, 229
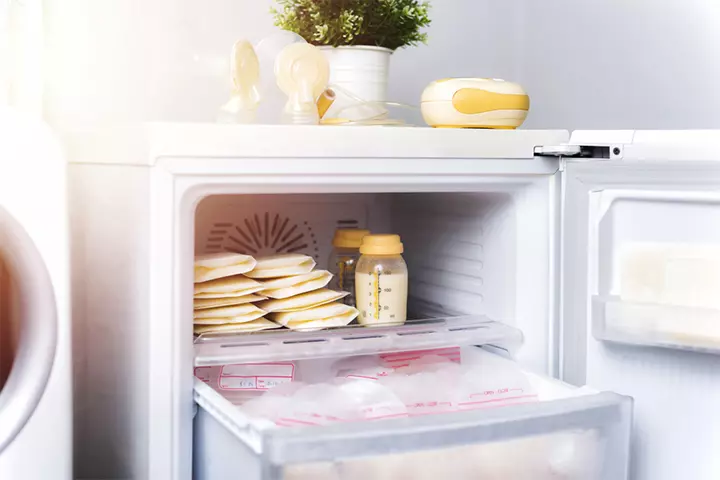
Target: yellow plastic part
349, 237
478, 127
382, 245
471, 101
325, 101
334, 121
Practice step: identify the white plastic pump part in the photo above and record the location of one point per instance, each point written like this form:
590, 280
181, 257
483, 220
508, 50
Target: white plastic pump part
245, 98
302, 73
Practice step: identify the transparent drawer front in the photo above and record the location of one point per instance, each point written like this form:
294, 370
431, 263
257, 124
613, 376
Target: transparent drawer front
583, 437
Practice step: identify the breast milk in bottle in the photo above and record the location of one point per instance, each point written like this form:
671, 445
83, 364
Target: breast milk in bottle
381, 281
343, 260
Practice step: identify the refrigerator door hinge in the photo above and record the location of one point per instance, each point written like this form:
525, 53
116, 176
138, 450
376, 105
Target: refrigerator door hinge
589, 152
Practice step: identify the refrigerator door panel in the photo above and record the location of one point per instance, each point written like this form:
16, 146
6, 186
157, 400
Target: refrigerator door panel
641, 272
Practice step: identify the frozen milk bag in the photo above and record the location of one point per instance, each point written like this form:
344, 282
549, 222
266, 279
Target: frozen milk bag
326, 316
295, 285
219, 265
235, 314
204, 303
282, 265
249, 327
302, 302
237, 286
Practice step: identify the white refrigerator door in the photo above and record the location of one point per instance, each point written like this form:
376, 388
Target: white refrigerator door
641, 290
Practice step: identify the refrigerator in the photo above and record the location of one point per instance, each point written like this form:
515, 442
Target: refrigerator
589, 260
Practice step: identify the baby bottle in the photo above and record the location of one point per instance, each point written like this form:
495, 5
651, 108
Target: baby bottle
381, 281
343, 259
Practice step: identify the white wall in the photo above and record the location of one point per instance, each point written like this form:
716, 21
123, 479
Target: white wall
120, 60
125, 60
468, 38
586, 63
602, 64
21, 52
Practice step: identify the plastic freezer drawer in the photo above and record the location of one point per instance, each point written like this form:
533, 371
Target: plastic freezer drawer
583, 437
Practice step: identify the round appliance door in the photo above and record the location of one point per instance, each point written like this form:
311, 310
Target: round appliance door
28, 328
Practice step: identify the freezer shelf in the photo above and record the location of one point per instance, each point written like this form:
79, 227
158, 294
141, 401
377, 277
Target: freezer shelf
584, 437
655, 325
214, 349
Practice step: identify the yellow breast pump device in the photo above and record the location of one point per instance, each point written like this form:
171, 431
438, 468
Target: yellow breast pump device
475, 103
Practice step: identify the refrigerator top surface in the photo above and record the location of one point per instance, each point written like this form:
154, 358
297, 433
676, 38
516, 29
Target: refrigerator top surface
146, 144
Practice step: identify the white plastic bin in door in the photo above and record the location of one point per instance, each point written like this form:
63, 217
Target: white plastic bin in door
35, 387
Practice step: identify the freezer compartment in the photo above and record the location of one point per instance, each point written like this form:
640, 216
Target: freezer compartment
464, 250
458, 246
656, 325
559, 433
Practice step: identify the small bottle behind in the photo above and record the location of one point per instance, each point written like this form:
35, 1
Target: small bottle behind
343, 260
381, 282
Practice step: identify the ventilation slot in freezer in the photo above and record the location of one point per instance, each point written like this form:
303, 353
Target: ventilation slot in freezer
267, 233
269, 225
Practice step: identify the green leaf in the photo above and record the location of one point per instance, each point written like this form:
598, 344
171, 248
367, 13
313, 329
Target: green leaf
385, 23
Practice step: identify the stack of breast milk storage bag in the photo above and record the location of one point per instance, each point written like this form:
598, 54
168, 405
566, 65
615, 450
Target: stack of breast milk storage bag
235, 293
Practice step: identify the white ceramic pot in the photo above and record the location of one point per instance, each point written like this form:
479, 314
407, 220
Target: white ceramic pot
361, 70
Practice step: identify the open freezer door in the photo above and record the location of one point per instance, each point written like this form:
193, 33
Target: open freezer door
641, 289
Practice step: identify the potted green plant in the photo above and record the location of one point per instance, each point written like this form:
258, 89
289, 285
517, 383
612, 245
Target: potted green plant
357, 36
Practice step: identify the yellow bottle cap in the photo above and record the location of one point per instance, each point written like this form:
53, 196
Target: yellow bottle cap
349, 237
382, 245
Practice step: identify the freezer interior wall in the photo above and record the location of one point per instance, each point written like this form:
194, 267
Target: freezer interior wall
467, 253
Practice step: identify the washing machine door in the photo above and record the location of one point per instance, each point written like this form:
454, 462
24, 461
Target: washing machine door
28, 328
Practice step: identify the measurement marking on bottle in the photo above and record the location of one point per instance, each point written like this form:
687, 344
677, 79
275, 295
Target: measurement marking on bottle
341, 275
377, 294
